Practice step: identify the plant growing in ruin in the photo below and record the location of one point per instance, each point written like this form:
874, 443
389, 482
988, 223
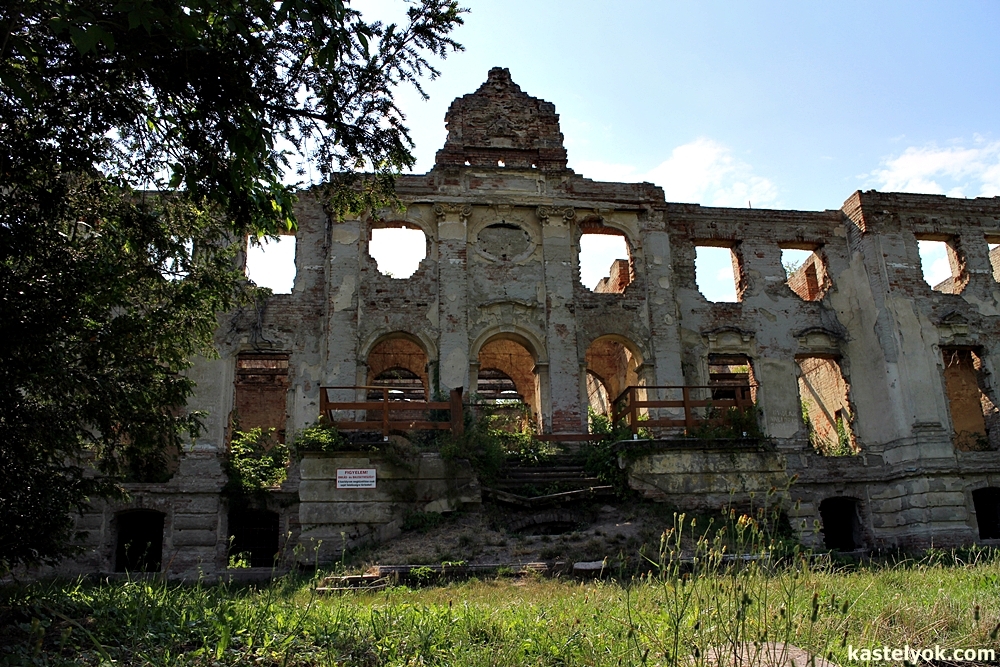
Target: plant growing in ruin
137, 141
255, 463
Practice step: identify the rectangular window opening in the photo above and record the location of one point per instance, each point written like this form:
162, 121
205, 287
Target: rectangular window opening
729, 374
271, 263
717, 271
826, 411
806, 275
974, 416
940, 265
261, 389
605, 262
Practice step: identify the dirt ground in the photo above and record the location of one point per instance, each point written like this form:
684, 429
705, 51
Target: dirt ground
621, 532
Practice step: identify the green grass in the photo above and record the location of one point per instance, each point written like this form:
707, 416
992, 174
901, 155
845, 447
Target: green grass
697, 601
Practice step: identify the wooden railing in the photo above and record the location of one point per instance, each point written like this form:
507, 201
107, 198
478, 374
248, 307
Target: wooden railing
387, 408
695, 400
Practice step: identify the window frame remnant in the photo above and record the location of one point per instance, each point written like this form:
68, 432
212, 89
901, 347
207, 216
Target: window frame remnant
837, 419
261, 373
810, 280
968, 408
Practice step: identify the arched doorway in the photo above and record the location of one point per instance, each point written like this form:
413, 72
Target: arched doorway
612, 362
507, 374
398, 362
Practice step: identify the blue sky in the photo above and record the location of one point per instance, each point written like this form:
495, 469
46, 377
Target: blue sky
790, 105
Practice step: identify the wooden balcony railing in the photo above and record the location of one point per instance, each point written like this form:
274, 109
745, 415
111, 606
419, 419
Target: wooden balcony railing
690, 405
394, 414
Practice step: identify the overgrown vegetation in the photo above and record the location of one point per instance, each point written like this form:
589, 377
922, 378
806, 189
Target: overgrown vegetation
729, 424
255, 463
717, 594
138, 141
844, 445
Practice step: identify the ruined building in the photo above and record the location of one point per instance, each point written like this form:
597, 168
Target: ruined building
877, 393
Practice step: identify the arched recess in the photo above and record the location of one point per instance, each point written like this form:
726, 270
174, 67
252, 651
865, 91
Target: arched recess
512, 356
615, 361
399, 358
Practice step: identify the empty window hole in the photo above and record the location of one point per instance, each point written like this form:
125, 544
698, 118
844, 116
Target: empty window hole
937, 263
605, 264
995, 260
271, 263
253, 538
715, 272
397, 251
804, 272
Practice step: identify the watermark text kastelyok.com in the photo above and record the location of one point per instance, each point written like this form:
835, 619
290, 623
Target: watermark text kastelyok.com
917, 654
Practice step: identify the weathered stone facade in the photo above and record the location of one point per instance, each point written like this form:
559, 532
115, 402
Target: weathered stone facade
498, 300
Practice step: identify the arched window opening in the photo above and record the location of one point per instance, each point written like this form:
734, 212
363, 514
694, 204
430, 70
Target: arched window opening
397, 251
271, 263
139, 541
841, 520
405, 385
987, 504
400, 363
605, 260
253, 538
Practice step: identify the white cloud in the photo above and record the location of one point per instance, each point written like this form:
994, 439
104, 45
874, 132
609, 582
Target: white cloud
957, 171
702, 172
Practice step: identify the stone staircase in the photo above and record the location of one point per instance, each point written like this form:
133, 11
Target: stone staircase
559, 479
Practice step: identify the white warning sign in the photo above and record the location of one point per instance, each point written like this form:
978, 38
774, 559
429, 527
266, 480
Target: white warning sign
355, 478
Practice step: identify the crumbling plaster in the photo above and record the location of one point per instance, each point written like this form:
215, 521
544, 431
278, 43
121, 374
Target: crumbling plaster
503, 263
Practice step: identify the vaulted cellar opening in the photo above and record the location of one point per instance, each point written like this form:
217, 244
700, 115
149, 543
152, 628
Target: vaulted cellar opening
253, 537
987, 504
841, 521
138, 541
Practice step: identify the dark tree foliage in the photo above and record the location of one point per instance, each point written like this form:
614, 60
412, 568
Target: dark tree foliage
140, 141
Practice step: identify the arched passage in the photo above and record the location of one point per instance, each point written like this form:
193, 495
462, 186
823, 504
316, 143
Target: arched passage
398, 361
614, 361
506, 364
